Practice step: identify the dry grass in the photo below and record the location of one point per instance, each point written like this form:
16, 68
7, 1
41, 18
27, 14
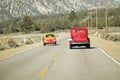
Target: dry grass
18, 40
113, 33
14, 51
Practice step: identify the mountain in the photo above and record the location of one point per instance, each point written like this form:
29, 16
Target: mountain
18, 8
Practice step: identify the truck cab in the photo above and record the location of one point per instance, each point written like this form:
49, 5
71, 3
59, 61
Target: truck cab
79, 37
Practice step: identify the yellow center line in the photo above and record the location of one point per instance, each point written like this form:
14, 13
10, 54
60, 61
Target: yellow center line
54, 58
61, 51
43, 73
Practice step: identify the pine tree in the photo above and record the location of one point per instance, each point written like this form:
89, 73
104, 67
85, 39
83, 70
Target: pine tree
72, 16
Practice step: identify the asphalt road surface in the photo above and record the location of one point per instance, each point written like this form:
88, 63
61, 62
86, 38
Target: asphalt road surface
59, 63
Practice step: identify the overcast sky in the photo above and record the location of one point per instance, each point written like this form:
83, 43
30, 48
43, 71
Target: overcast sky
117, 0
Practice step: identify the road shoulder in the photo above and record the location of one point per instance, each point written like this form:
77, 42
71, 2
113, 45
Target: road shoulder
110, 47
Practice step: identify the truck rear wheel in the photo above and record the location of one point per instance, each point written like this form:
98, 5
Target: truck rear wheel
44, 44
71, 47
55, 43
88, 46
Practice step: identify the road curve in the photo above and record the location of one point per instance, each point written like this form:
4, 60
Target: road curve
59, 63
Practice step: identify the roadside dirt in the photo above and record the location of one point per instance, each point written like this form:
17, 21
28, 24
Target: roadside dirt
14, 51
112, 48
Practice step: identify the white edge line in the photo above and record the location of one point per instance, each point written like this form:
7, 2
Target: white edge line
109, 56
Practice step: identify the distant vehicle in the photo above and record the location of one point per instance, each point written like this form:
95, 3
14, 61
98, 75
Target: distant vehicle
49, 39
79, 37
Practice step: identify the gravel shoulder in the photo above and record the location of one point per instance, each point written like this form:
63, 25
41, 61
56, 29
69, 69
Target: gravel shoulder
112, 48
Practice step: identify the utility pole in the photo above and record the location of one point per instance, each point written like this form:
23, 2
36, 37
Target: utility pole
88, 23
91, 23
97, 20
106, 20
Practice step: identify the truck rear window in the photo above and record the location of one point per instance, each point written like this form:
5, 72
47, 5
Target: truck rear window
79, 31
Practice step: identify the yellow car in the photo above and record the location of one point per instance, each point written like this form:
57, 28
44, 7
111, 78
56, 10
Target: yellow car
49, 39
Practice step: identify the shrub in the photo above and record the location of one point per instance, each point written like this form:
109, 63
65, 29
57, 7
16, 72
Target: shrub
12, 43
27, 41
2, 47
114, 37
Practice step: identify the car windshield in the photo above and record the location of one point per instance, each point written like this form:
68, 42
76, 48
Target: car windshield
50, 35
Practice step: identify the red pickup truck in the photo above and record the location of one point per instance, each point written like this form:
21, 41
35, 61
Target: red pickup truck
79, 37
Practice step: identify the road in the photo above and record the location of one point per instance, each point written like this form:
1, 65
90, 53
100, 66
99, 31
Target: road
59, 63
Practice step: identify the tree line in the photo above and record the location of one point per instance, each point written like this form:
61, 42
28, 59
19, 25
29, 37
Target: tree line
53, 22
43, 23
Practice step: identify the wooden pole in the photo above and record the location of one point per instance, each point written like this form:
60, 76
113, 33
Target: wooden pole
97, 21
106, 20
91, 23
88, 24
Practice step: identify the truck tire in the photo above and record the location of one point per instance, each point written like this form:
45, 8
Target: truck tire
70, 47
55, 43
44, 44
88, 46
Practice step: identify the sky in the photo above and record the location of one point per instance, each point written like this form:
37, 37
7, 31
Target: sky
117, 0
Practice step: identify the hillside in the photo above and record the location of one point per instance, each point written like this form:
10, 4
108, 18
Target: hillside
18, 8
